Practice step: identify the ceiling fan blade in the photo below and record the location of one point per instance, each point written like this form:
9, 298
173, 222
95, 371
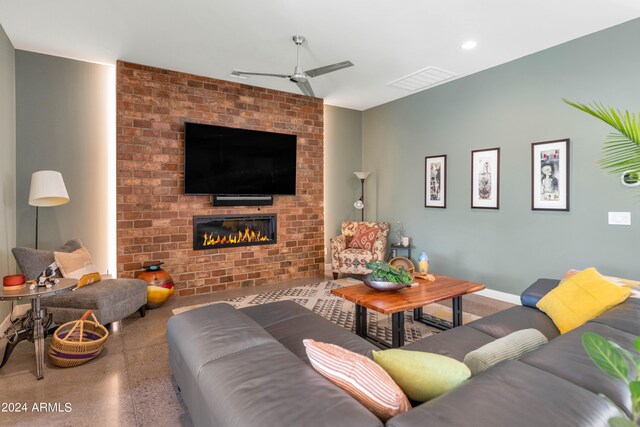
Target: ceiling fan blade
328, 68
247, 73
305, 87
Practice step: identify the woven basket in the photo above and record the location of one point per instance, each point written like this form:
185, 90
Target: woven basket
77, 342
402, 262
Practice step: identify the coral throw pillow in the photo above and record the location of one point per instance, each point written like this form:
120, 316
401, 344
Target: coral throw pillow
364, 238
580, 298
359, 376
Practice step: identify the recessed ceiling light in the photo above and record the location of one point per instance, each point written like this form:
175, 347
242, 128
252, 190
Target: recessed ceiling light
469, 44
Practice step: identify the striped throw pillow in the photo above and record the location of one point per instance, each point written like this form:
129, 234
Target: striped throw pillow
512, 346
359, 376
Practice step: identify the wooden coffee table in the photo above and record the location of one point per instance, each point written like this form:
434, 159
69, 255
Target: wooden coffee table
395, 303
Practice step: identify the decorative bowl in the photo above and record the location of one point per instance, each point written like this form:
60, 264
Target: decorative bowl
14, 280
382, 286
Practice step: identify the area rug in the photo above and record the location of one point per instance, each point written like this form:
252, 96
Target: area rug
317, 297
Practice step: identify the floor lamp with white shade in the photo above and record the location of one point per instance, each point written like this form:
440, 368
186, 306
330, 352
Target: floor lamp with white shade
359, 204
47, 190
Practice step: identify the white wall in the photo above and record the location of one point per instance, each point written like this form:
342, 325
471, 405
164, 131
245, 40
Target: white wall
64, 109
342, 157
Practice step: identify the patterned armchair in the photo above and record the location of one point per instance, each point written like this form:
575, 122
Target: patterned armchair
350, 260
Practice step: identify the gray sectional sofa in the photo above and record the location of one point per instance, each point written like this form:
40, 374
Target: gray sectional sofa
249, 368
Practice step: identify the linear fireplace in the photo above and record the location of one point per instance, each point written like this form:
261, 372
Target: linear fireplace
223, 231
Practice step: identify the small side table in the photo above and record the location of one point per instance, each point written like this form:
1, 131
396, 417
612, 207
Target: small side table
30, 326
402, 248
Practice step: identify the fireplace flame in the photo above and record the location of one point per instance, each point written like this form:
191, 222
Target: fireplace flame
248, 236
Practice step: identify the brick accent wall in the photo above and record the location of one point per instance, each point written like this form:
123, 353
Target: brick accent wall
154, 217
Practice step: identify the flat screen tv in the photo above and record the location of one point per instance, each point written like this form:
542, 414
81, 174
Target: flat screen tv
221, 160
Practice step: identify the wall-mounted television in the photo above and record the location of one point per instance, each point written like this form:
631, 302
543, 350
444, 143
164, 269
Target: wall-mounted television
229, 161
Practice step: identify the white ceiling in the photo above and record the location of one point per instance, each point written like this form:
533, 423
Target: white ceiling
385, 40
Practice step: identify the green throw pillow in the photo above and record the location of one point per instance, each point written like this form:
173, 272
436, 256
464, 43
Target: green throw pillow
510, 347
422, 376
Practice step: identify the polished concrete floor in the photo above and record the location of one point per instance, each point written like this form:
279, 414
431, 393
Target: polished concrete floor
130, 383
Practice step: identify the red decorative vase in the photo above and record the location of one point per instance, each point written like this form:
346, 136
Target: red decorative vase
160, 283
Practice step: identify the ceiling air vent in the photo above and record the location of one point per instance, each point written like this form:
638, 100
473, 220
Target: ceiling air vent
422, 79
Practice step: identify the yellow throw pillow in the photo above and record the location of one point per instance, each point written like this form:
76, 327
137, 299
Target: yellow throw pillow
580, 298
422, 376
634, 285
88, 279
75, 264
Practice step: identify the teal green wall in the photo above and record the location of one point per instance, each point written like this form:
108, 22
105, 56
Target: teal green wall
342, 157
7, 160
511, 106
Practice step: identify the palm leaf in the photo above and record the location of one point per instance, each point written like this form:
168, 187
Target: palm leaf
621, 150
621, 422
605, 356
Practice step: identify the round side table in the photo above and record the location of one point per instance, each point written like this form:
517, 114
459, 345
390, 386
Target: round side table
30, 326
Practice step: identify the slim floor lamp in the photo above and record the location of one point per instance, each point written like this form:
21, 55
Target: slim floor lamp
47, 190
359, 204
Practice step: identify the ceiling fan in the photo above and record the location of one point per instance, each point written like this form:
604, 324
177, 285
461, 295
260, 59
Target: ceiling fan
299, 76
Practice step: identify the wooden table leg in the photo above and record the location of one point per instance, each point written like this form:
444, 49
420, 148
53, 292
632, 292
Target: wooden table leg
397, 329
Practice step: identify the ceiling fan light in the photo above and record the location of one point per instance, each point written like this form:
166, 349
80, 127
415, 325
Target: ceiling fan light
298, 78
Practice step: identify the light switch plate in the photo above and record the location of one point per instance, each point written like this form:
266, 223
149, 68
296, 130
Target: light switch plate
619, 218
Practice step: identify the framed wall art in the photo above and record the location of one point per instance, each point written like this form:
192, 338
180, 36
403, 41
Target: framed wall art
485, 178
435, 178
550, 175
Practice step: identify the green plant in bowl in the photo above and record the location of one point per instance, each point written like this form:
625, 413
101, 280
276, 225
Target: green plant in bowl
385, 277
615, 361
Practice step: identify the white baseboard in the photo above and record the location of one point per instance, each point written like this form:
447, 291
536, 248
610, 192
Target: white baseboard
501, 296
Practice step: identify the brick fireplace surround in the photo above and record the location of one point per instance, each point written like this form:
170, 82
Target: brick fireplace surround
154, 217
